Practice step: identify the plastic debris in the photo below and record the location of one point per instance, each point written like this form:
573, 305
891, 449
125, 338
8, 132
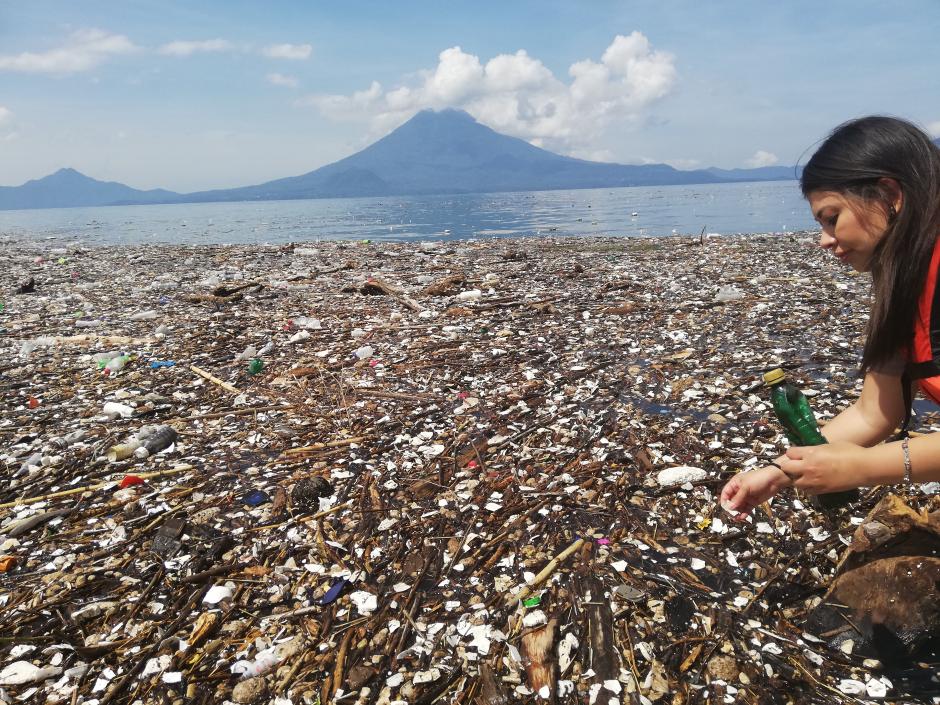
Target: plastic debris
414, 500
256, 498
333, 593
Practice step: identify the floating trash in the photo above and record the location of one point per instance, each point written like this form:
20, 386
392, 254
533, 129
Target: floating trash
479, 469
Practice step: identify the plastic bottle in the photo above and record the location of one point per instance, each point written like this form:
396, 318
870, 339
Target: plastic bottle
122, 451
102, 359
145, 315
796, 416
246, 354
255, 366
116, 364
161, 438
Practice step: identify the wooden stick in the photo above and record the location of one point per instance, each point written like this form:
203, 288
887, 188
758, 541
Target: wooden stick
545, 572
237, 412
89, 338
338, 669
96, 486
318, 515
394, 292
321, 446
215, 380
369, 392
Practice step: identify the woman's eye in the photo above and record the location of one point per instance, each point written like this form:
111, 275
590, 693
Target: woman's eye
831, 221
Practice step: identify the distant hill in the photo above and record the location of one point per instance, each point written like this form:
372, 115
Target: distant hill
450, 152
763, 173
434, 152
68, 187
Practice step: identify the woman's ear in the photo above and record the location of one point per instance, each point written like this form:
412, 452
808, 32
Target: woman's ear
894, 196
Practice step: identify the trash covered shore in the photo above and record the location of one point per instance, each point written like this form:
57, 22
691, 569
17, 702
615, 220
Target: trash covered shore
441, 472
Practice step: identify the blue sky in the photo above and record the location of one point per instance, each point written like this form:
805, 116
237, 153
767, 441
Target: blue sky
191, 96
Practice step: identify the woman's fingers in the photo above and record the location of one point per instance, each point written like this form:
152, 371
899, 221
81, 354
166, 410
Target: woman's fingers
795, 452
729, 491
790, 467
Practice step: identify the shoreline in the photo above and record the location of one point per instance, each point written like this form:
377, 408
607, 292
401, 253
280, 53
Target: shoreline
477, 408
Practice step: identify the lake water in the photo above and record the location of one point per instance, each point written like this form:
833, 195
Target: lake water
754, 207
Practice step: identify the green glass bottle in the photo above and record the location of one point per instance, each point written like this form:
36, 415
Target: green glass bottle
799, 423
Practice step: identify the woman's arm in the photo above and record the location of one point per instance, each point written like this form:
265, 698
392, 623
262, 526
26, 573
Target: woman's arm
874, 416
854, 456
837, 465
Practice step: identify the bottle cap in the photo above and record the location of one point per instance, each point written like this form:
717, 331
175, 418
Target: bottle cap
774, 376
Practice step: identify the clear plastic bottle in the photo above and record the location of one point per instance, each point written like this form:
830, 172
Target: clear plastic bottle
799, 423
116, 364
102, 359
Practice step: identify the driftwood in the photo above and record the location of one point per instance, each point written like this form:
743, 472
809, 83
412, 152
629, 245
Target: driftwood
539, 660
92, 339
885, 596
222, 294
215, 380
379, 287
87, 488
490, 692
447, 286
546, 572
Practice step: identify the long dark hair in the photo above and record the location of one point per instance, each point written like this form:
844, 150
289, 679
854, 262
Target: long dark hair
852, 161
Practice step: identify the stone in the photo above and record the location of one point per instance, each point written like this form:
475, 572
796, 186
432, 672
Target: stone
680, 475
723, 668
250, 690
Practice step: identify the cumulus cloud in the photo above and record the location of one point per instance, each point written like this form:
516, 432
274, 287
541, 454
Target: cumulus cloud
518, 95
7, 131
83, 51
188, 48
288, 51
762, 158
934, 129
279, 79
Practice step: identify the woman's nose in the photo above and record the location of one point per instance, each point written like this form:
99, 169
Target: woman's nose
826, 240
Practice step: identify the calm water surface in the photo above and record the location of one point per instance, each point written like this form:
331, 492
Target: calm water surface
626, 212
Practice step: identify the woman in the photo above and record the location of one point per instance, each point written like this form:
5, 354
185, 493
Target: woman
874, 187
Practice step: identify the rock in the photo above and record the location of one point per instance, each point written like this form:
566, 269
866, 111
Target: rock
679, 475
358, 676
723, 668
250, 690
886, 585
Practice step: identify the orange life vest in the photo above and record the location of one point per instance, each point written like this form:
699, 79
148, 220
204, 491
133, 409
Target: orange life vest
923, 363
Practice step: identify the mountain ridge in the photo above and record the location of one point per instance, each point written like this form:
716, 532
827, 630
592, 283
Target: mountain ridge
67, 188
446, 151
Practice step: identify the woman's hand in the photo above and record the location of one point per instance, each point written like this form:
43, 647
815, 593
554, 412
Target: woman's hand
831, 467
747, 490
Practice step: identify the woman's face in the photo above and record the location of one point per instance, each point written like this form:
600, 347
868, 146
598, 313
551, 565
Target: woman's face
851, 227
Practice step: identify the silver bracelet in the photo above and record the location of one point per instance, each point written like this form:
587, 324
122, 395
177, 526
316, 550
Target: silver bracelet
907, 461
